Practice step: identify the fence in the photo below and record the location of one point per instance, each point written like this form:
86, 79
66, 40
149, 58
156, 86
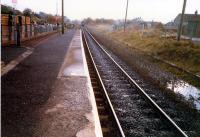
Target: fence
10, 25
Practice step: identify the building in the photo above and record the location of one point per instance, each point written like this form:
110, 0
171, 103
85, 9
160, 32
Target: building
151, 24
191, 24
170, 26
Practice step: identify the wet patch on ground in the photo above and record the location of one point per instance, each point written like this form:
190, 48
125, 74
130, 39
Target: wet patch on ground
65, 111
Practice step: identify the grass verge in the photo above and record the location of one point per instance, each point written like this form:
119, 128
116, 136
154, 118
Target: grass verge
183, 54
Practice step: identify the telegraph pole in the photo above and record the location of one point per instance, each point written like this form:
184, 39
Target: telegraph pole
62, 16
57, 12
181, 21
125, 16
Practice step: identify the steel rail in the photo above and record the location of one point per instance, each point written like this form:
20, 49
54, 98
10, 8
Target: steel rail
104, 89
146, 96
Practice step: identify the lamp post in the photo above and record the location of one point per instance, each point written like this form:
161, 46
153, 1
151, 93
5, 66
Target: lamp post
62, 16
125, 16
15, 26
181, 21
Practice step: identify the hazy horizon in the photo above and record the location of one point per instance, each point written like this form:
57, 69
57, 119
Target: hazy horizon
164, 11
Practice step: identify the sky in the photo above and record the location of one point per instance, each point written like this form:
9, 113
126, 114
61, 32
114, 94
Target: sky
156, 10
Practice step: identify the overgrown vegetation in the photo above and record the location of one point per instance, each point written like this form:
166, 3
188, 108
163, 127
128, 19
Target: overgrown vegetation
133, 48
184, 54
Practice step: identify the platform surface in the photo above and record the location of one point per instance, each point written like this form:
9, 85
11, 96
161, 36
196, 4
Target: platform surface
49, 94
73, 64
79, 103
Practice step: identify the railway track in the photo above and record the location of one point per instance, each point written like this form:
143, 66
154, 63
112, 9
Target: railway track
109, 121
125, 109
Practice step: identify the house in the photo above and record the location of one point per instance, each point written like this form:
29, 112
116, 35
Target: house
170, 26
151, 24
191, 24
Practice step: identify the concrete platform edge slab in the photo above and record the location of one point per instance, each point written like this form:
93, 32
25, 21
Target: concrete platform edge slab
98, 130
75, 65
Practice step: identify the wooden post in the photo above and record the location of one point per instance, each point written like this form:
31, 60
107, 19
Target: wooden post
125, 16
181, 21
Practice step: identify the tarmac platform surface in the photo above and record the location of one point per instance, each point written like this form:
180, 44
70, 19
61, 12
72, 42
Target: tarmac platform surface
49, 94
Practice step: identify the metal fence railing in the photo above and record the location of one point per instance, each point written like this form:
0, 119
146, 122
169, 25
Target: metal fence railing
9, 33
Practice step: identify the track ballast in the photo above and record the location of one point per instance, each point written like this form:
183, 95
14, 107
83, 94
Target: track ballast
136, 113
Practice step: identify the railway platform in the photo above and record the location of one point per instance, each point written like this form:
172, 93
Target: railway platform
78, 102
49, 93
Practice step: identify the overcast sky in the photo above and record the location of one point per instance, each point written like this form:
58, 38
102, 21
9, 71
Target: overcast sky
157, 10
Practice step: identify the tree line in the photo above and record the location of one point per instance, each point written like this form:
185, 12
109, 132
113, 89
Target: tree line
39, 18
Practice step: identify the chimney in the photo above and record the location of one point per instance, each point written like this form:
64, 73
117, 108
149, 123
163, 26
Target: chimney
196, 12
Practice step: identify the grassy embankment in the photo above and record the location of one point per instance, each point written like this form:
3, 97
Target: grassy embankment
184, 54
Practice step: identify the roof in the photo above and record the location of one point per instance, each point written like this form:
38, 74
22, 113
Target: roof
170, 24
188, 17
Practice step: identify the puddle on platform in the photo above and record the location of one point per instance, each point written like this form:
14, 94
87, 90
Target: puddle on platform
191, 93
74, 69
74, 63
